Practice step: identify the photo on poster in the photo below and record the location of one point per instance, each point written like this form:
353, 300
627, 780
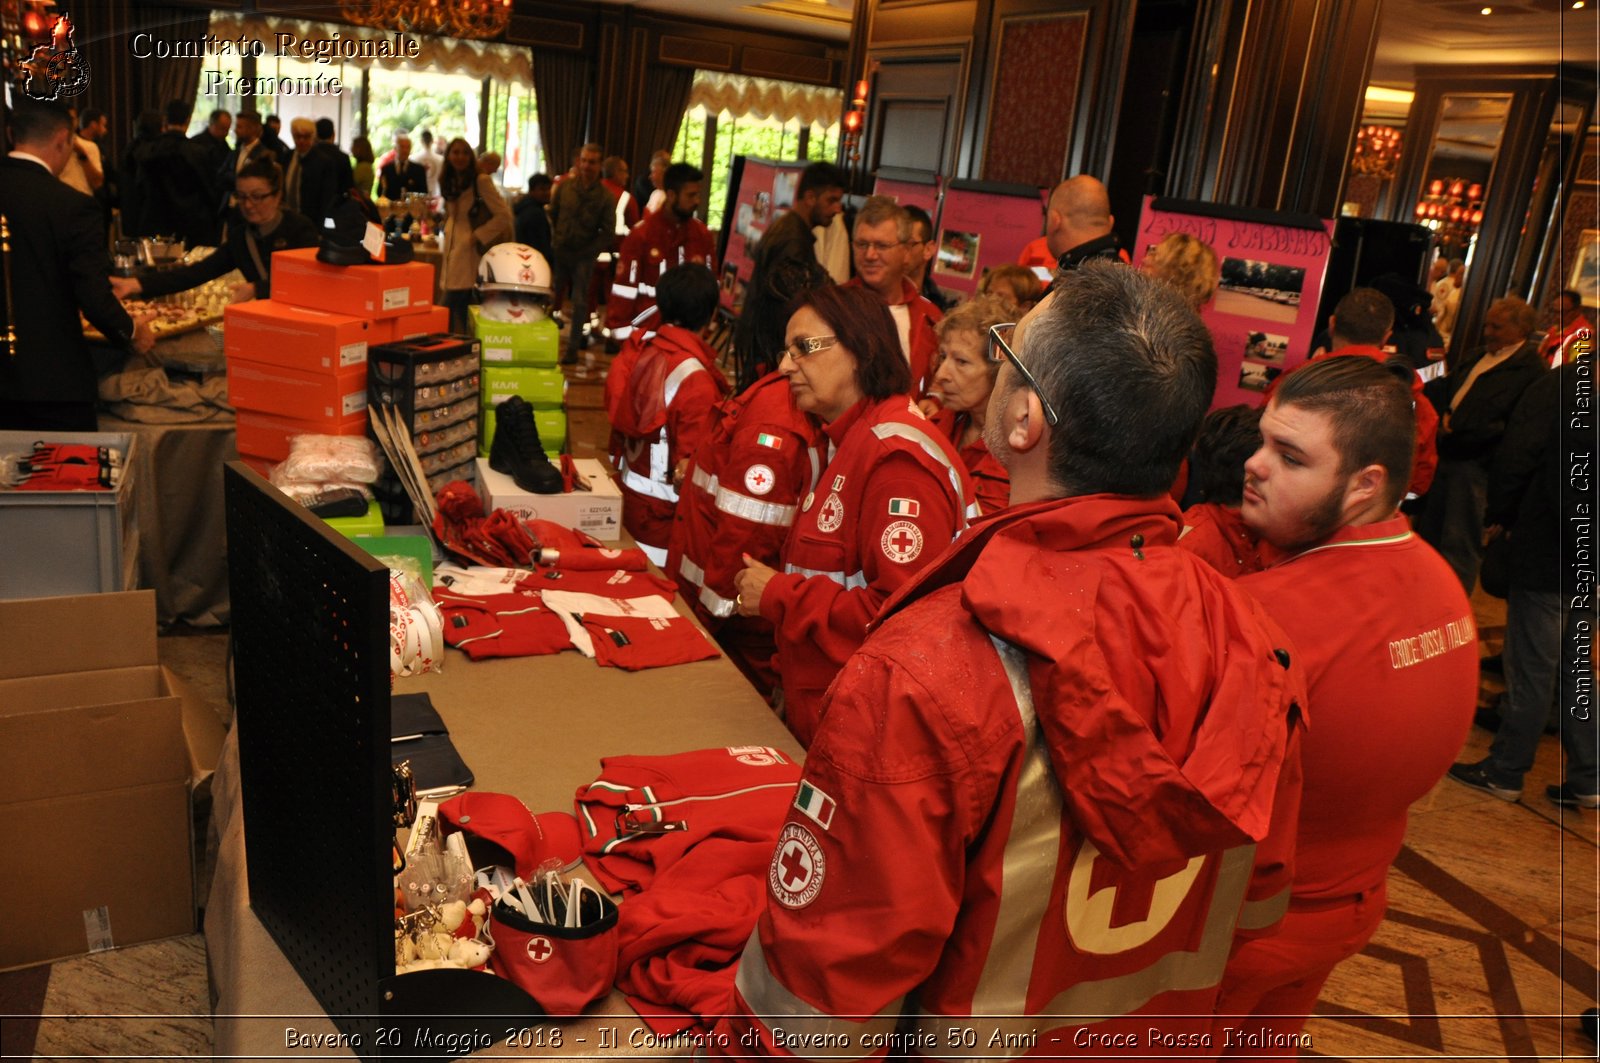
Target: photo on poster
730, 277
958, 253
1268, 347
1255, 376
743, 224
763, 211
783, 185
1262, 290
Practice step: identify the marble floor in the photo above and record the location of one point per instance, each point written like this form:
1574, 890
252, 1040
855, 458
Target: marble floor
1490, 948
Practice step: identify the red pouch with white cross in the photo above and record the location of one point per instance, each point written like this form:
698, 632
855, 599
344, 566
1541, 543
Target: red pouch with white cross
563, 968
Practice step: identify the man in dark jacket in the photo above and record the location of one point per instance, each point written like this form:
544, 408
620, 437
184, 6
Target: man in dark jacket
317, 175
582, 224
175, 184
532, 223
1474, 402
402, 173
1532, 493
785, 264
57, 268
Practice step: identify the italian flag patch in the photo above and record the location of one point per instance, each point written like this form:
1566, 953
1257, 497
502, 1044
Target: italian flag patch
904, 507
769, 441
816, 804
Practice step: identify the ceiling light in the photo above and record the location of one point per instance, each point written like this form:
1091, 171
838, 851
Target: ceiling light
1487, 11
1577, 5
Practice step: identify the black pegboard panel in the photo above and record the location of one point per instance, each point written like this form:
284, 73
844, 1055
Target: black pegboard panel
311, 664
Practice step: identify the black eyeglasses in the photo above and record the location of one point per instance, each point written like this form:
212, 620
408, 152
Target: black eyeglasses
1000, 347
256, 197
805, 346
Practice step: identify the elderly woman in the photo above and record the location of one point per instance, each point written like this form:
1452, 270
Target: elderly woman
1017, 285
963, 382
891, 498
1188, 264
475, 218
261, 226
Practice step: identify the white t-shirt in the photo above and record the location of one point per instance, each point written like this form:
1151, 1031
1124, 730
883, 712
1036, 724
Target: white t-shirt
902, 323
431, 163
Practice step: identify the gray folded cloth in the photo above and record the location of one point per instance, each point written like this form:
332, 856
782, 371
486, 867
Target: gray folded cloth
144, 393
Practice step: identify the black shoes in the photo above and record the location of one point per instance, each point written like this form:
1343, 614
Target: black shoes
517, 452
1564, 796
1477, 776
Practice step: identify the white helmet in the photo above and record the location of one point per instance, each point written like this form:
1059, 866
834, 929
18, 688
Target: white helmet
513, 268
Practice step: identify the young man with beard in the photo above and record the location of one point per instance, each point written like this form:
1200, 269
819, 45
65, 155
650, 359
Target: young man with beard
1391, 657
669, 237
1022, 816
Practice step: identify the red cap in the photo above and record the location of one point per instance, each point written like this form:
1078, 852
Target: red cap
546, 842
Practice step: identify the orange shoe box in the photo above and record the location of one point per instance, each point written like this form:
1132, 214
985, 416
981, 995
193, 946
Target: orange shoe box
315, 397
433, 320
264, 435
373, 291
275, 333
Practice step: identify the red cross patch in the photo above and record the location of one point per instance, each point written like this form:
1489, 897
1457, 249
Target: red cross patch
758, 479
795, 875
540, 949
831, 515
901, 542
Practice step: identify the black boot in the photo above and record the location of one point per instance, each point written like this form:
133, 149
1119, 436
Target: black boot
517, 452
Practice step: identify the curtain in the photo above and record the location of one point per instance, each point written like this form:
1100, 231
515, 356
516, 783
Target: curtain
157, 82
666, 97
563, 84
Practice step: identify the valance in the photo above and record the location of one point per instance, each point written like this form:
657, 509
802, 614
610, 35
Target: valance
780, 101
503, 62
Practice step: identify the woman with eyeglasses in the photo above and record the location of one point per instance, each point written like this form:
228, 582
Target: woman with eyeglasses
893, 496
964, 379
261, 226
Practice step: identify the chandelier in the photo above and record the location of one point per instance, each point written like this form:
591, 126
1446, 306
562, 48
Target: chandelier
1377, 151
470, 19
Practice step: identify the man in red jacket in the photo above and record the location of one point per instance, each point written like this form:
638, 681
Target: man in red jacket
661, 405
883, 229
1386, 635
671, 236
1025, 823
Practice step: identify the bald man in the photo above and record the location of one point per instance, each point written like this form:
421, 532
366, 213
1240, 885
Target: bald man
1078, 223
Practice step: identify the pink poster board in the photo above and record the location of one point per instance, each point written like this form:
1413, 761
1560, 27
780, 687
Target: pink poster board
910, 193
764, 193
981, 227
1265, 310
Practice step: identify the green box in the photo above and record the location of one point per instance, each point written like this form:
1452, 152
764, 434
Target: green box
537, 343
416, 547
552, 426
369, 523
543, 389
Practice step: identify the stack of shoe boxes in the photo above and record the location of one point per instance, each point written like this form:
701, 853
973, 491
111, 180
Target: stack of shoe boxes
523, 360
431, 384
297, 363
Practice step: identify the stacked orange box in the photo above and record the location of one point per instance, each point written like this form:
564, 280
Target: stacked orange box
297, 363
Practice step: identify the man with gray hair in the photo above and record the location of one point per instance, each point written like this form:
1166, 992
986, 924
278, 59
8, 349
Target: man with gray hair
879, 249
1023, 818
402, 173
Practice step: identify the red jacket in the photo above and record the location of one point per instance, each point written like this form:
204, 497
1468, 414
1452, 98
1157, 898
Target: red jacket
892, 497
1426, 457
924, 340
660, 408
1218, 536
758, 459
652, 247
990, 480
1021, 807
1382, 626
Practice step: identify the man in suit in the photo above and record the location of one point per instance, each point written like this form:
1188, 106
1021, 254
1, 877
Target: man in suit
57, 266
313, 183
176, 183
402, 173
249, 144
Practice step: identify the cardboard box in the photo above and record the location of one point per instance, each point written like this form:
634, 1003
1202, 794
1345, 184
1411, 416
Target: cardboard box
275, 333
100, 754
265, 435
597, 511
537, 343
543, 389
316, 397
409, 326
552, 425
372, 291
